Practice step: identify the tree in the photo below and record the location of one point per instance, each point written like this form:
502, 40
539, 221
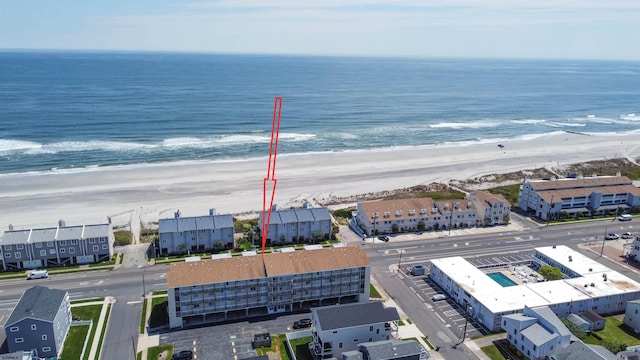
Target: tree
550, 272
613, 345
575, 330
395, 228
421, 226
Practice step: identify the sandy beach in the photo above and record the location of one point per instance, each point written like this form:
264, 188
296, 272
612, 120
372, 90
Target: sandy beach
147, 193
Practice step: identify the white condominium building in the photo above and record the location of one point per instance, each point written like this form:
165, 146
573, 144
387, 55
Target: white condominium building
575, 197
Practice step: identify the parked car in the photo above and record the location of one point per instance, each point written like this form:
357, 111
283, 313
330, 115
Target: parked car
612, 236
383, 238
438, 297
625, 217
627, 235
183, 355
302, 323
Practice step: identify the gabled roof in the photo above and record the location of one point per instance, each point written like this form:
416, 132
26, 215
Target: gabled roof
587, 182
591, 316
193, 223
39, 303
354, 315
582, 351
537, 334
391, 349
548, 318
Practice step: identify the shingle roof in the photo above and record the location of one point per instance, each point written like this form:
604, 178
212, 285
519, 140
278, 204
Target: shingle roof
599, 181
253, 267
96, 231
582, 351
391, 349
537, 334
15, 237
405, 206
352, 315
38, 302
544, 313
207, 222
43, 235
489, 198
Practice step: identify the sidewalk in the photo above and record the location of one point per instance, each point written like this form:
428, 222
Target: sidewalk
101, 323
145, 341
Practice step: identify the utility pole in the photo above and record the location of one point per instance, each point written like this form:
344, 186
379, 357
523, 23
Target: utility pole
466, 321
400, 260
549, 212
604, 239
450, 219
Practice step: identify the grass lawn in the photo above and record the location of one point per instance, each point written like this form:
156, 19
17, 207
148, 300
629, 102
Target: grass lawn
373, 292
614, 329
153, 352
74, 342
158, 316
493, 352
301, 349
143, 318
78, 334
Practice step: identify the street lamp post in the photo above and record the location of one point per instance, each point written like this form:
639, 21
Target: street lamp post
468, 308
604, 239
144, 290
400, 260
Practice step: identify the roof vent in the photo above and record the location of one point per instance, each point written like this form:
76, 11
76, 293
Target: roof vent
592, 284
61, 222
212, 212
423, 211
590, 269
570, 258
176, 214
594, 175
434, 210
469, 204
10, 227
457, 205
387, 214
446, 206
374, 214
412, 212
399, 213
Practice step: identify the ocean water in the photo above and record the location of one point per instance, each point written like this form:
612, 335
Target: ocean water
70, 111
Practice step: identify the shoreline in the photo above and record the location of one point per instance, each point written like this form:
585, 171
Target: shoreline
148, 193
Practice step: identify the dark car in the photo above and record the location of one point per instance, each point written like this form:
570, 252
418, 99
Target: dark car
383, 238
302, 323
183, 355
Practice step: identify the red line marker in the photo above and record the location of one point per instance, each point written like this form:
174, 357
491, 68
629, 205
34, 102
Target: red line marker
269, 185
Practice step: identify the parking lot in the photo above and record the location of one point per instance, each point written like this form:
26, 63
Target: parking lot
231, 341
448, 311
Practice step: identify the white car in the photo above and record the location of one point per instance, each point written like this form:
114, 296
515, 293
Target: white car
627, 235
612, 236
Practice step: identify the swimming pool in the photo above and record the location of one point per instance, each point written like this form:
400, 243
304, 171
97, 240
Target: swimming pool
501, 279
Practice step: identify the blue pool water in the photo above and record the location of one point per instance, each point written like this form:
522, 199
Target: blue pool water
501, 279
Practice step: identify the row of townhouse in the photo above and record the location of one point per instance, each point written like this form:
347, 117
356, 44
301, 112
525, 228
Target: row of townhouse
574, 197
179, 235
247, 286
418, 214
56, 246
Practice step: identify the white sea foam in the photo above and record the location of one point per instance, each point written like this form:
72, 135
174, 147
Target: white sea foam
528, 121
17, 145
630, 117
569, 124
461, 125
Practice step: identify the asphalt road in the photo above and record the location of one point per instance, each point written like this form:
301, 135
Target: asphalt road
128, 284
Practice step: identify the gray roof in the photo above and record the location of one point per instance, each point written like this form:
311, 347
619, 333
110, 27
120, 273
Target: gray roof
352, 315
321, 214
207, 222
545, 314
352, 355
43, 235
582, 351
305, 215
18, 355
70, 233
576, 320
96, 231
39, 303
15, 237
391, 349
537, 334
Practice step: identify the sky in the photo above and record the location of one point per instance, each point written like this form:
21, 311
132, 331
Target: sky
551, 29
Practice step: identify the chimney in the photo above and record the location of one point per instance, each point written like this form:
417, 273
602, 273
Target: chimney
212, 212
305, 205
61, 223
274, 207
10, 227
176, 214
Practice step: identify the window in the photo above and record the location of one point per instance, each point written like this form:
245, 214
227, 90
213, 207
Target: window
370, 329
34, 327
52, 251
19, 340
44, 337
92, 241
7, 255
43, 252
63, 242
14, 329
96, 248
74, 242
19, 246
46, 349
104, 247
38, 245
340, 345
7, 247
62, 250
101, 240
50, 244
72, 250
17, 255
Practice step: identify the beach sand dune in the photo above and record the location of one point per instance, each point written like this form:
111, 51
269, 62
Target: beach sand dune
141, 194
